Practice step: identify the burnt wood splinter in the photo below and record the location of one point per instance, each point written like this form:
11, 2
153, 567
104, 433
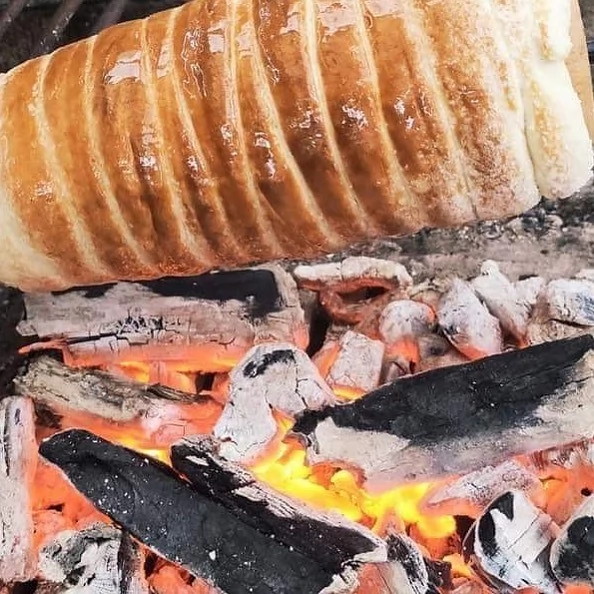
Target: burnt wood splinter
198, 531
459, 419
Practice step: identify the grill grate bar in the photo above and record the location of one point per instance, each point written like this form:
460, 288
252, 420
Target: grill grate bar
110, 16
52, 34
11, 12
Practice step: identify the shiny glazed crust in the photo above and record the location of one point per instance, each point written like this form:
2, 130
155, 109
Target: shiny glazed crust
226, 132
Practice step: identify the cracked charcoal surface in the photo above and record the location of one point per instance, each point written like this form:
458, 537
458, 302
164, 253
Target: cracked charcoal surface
167, 514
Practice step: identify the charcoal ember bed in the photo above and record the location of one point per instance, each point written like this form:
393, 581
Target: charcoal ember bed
334, 427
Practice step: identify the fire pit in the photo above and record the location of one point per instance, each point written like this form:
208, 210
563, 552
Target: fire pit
334, 427
414, 416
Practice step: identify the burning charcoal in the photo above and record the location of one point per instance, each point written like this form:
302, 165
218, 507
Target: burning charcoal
467, 322
98, 560
18, 459
470, 494
354, 364
468, 586
271, 377
207, 320
384, 273
231, 550
529, 289
570, 301
168, 580
572, 553
564, 308
509, 545
402, 325
354, 276
89, 392
405, 572
502, 299
458, 419
327, 536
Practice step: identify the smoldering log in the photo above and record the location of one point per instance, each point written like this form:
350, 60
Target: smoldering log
572, 552
193, 529
18, 460
98, 560
210, 319
456, 420
509, 545
322, 535
64, 389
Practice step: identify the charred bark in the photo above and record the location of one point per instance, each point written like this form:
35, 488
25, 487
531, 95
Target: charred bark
209, 319
193, 529
456, 420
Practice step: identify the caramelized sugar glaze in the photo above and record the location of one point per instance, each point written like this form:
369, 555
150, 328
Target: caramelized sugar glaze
225, 132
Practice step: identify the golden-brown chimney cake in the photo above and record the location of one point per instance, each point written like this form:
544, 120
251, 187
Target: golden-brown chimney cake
225, 132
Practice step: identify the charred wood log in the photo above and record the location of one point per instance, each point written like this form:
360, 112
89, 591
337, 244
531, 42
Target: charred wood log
456, 420
64, 390
195, 530
98, 560
271, 377
209, 320
323, 536
572, 553
509, 545
18, 460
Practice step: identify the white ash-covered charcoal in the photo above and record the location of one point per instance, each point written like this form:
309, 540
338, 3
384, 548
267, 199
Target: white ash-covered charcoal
207, 320
502, 299
357, 364
371, 271
65, 390
467, 323
359, 277
509, 545
405, 572
196, 530
565, 307
570, 301
569, 456
403, 324
572, 552
271, 377
470, 494
455, 420
98, 560
18, 460
528, 289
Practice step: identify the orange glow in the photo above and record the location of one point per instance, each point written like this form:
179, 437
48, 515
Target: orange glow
459, 567
339, 490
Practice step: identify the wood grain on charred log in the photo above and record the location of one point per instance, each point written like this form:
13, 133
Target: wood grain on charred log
191, 528
456, 420
61, 389
18, 460
208, 320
